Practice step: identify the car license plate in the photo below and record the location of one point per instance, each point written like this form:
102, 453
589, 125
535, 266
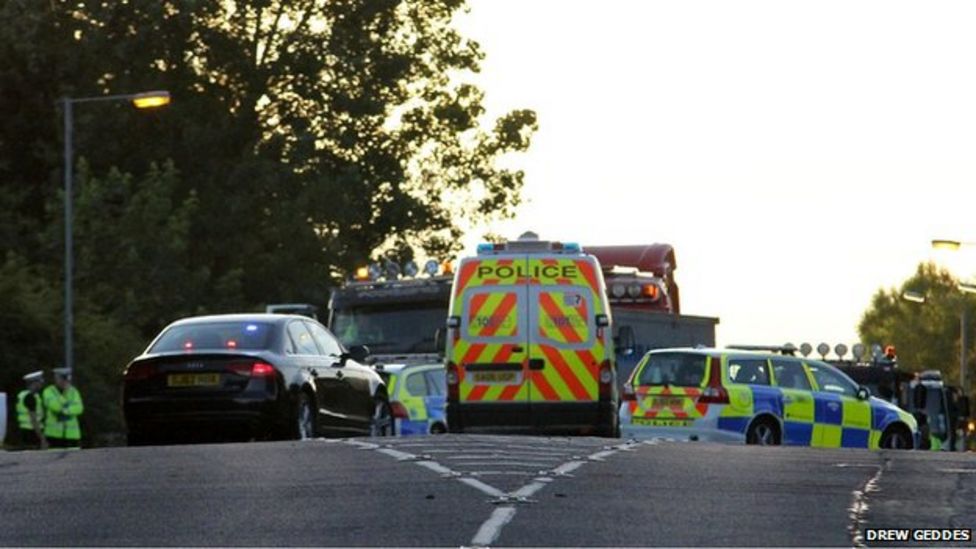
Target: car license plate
496, 378
668, 402
655, 422
192, 380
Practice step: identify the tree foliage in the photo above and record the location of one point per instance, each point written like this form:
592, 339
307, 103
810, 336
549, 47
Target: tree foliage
926, 335
304, 138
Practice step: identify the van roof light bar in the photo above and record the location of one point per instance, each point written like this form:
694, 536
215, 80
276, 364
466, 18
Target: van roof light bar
529, 246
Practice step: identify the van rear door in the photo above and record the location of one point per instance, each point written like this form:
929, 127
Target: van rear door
566, 348
491, 350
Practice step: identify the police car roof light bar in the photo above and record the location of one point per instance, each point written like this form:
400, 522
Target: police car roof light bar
781, 349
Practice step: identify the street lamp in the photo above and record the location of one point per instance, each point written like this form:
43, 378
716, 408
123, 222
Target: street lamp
143, 100
945, 244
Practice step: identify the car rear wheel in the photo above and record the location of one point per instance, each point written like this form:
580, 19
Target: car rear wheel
763, 432
438, 429
381, 424
896, 438
304, 418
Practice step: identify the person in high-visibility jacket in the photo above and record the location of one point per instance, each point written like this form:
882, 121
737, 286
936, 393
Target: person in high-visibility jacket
63, 405
30, 412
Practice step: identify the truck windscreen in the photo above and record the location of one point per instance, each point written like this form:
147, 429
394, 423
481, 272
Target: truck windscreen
390, 330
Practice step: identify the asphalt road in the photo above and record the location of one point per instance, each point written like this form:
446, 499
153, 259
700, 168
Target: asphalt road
464, 490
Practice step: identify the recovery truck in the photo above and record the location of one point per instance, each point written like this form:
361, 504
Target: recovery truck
644, 302
942, 410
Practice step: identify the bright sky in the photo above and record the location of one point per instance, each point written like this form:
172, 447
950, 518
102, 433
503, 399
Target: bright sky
798, 155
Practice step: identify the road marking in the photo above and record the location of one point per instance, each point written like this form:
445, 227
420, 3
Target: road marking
859, 505
486, 488
492, 527
402, 456
437, 467
568, 467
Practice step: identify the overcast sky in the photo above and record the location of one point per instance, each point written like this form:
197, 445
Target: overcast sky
798, 155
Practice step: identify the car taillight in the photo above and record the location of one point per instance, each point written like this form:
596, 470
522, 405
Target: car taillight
715, 392
606, 380
453, 382
252, 369
262, 369
139, 371
398, 410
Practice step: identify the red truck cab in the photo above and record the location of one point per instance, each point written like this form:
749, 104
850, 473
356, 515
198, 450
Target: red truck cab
639, 277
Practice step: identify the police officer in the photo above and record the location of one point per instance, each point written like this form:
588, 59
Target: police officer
30, 412
63, 405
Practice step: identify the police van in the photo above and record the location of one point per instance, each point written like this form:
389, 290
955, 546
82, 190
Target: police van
529, 344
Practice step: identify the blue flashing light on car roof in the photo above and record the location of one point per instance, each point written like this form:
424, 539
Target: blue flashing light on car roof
251, 328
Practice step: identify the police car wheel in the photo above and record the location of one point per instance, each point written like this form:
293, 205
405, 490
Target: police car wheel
381, 424
763, 432
896, 439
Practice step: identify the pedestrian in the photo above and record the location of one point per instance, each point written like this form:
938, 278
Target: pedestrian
63, 405
30, 412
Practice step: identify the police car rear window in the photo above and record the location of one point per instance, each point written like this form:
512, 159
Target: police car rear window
678, 369
215, 336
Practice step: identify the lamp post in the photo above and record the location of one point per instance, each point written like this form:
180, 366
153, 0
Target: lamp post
143, 100
953, 245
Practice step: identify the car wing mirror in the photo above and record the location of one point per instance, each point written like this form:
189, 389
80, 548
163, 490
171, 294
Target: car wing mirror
863, 393
359, 353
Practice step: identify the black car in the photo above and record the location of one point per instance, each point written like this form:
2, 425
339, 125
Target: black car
251, 376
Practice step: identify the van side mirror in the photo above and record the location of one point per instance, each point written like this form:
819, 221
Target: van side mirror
863, 393
439, 342
963, 406
624, 340
919, 395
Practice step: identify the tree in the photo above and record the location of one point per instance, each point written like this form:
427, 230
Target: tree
312, 133
926, 335
304, 137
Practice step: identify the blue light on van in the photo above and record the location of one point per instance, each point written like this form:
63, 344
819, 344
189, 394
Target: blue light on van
571, 247
485, 247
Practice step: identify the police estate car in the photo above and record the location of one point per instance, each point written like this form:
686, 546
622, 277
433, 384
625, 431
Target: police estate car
758, 398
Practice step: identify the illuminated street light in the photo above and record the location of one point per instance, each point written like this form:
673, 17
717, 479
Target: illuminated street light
143, 100
914, 297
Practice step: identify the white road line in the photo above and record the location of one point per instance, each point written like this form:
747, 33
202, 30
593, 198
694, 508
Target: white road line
600, 456
529, 489
402, 456
500, 456
859, 506
535, 465
568, 467
486, 488
492, 527
362, 445
437, 467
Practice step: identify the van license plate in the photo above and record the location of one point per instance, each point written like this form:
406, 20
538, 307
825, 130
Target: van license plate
192, 380
496, 378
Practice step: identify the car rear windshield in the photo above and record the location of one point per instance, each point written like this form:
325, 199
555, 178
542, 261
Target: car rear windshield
680, 369
215, 336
